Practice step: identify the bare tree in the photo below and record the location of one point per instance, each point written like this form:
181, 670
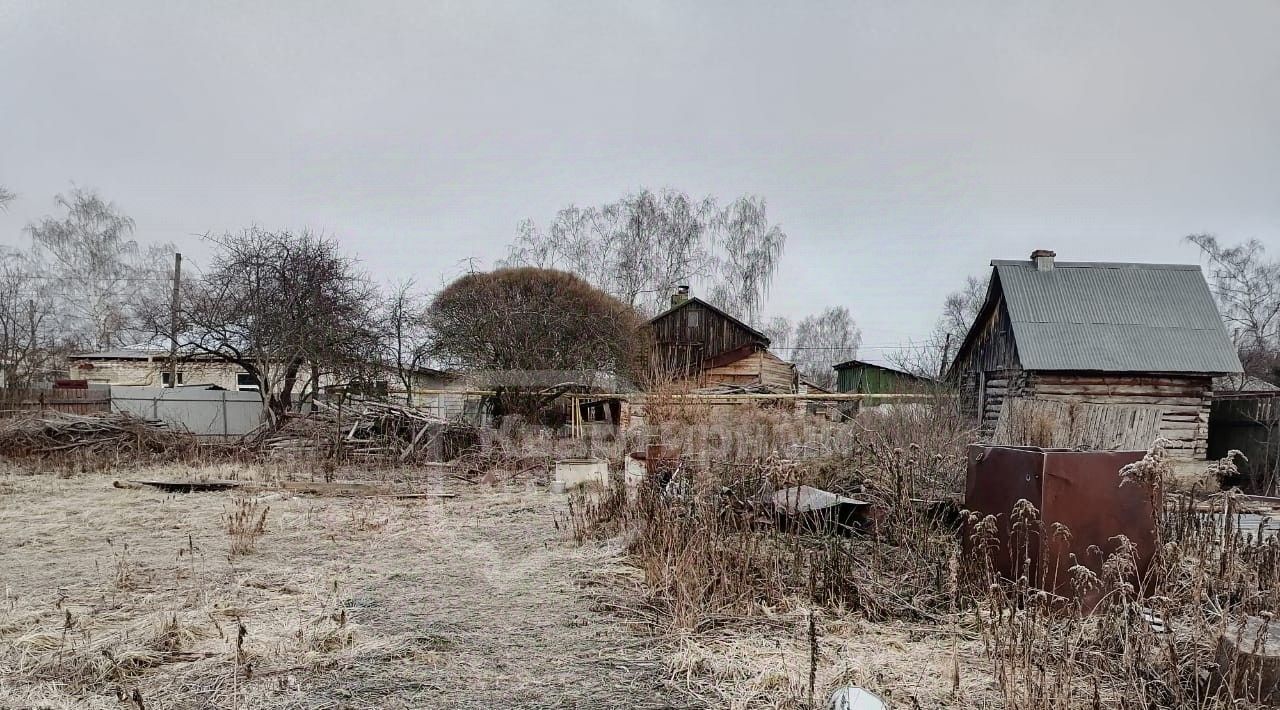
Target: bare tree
822, 341
931, 357
641, 247
28, 345
406, 334
749, 248
638, 249
6, 196
1247, 286
97, 274
289, 308
534, 320
779, 330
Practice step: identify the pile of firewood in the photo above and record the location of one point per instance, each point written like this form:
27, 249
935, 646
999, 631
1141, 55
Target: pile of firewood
44, 434
363, 430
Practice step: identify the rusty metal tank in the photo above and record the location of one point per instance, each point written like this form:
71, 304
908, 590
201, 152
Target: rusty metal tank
1081, 490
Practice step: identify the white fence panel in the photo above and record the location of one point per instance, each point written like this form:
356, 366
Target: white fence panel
202, 412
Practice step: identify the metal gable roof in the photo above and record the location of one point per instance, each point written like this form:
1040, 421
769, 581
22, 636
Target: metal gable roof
1115, 318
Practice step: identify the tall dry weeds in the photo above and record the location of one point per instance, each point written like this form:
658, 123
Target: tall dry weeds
711, 548
246, 522
1152, 641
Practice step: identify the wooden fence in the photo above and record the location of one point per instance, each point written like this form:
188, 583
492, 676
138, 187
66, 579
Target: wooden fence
71, 401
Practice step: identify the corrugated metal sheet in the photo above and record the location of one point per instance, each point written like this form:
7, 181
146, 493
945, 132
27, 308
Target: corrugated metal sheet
1115, 318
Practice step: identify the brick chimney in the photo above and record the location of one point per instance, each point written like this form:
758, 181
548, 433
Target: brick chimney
1043, 259
680, 296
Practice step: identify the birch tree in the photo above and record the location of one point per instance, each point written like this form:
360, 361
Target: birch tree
97, 273
641, 247
1247, 286
822, 341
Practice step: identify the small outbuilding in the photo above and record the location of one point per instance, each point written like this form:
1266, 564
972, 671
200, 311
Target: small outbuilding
1107, 355
861, 377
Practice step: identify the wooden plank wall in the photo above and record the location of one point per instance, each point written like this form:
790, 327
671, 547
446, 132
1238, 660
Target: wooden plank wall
1182, 400
761, 367
71, 401
1062, 425
683, 338
1001, 385
992, 351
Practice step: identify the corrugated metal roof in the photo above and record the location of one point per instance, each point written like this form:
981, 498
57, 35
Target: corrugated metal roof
1115, 318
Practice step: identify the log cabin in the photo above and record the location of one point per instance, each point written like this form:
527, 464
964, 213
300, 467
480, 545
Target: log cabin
1138, 345
699, 345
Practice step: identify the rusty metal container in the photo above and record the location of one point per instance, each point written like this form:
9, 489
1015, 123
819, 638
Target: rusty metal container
1078, 489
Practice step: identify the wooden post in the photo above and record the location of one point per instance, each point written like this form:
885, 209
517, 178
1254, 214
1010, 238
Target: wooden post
173, 321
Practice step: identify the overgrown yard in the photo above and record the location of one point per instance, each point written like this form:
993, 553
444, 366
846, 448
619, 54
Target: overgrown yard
691, 588
343, 602
132, 597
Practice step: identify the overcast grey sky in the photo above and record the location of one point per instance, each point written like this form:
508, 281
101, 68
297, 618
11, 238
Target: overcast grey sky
901, 145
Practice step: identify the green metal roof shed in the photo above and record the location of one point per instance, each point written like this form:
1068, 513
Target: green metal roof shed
861, 377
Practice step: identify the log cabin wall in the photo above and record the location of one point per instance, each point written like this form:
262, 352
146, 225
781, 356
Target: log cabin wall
988, 366
1184, 401
998, 386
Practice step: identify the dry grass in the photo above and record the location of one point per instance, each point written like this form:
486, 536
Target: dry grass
735, 591
344, 603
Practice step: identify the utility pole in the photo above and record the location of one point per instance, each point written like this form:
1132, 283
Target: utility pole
173, 320
946, 350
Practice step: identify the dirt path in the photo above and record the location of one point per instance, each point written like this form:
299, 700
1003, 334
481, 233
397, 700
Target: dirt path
473, 602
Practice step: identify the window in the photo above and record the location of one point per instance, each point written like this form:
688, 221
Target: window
166, 376
368, 388
246, 382
692, 318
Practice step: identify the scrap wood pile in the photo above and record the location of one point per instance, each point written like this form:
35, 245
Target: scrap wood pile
367, 430
45, 434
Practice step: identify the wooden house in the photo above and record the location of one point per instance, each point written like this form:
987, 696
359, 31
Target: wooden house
1112, 355
696, 343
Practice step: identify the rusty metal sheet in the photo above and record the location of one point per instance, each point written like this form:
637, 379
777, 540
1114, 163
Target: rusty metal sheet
1080, 490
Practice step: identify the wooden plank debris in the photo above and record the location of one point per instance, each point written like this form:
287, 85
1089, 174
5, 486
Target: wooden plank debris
362, 429
337, 488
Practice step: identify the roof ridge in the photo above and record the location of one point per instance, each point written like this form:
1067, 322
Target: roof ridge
1136, 265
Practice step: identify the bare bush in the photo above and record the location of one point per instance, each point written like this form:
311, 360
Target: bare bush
529, 320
